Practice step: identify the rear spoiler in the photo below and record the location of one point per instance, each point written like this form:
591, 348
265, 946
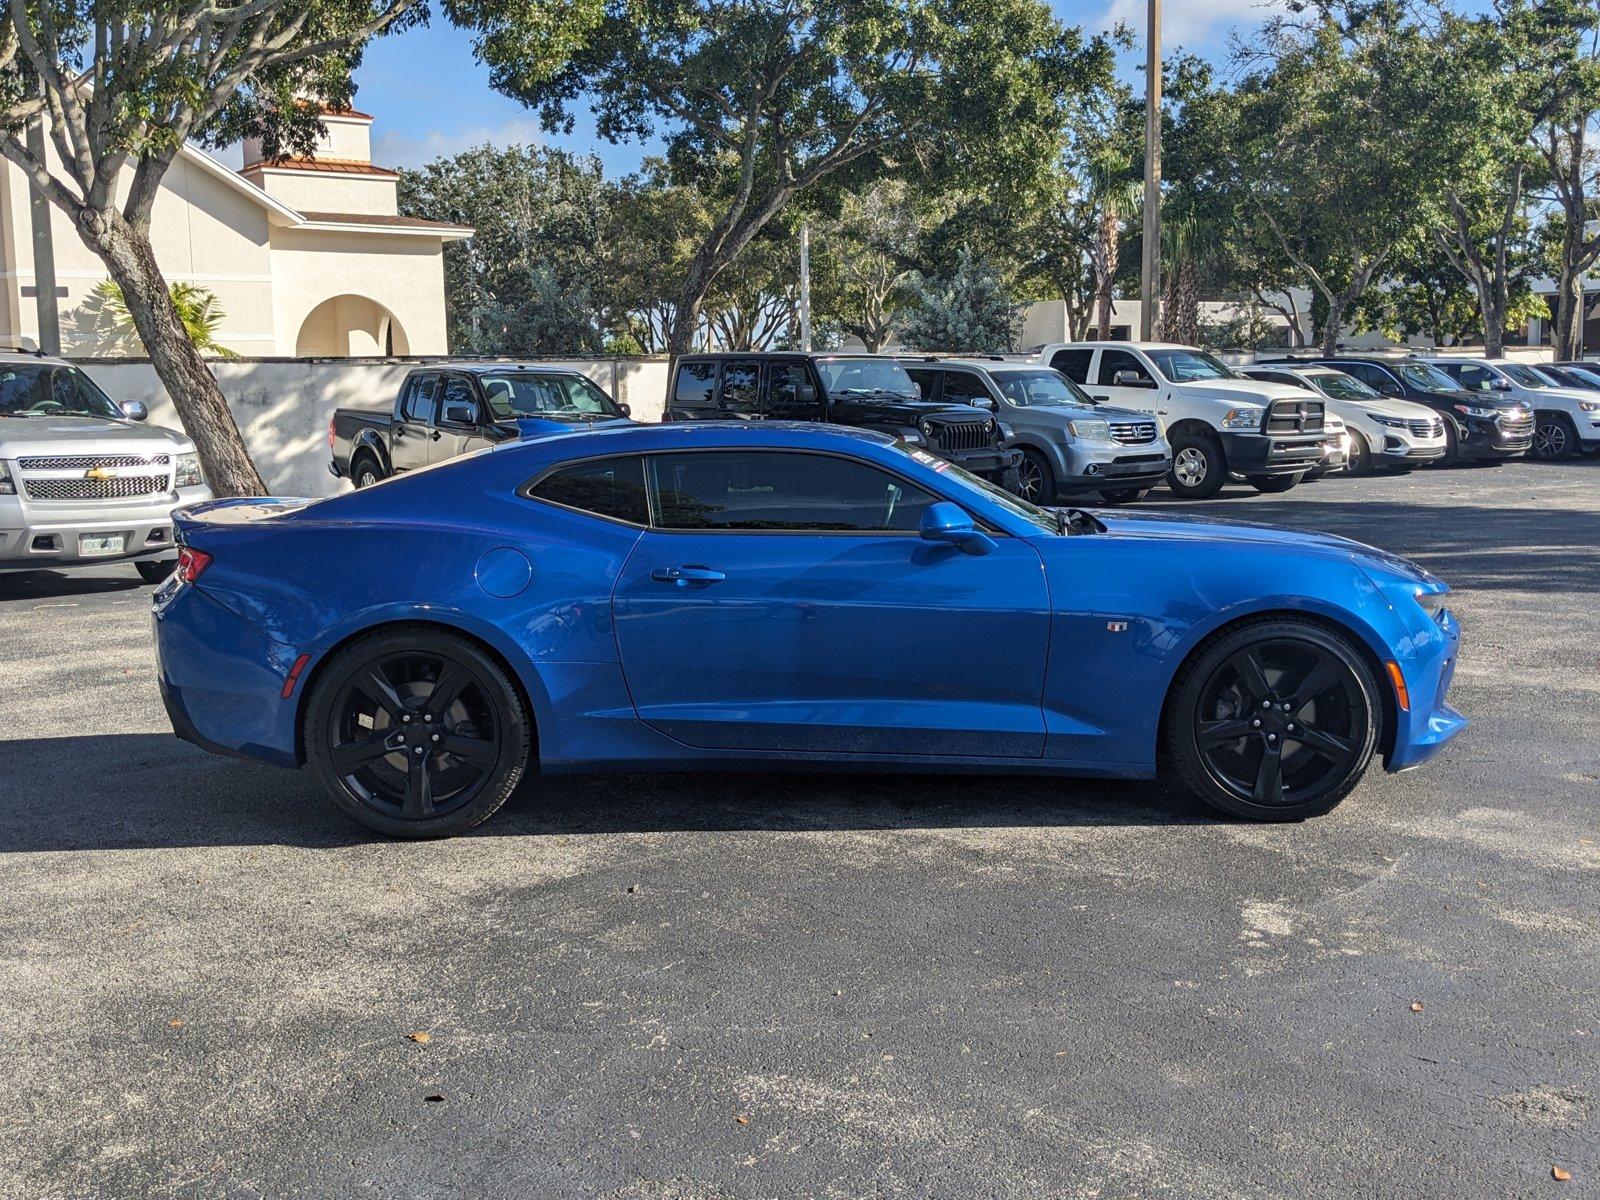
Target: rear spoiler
237, 510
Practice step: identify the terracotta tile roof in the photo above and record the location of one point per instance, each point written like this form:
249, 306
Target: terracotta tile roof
381, 219
337, 166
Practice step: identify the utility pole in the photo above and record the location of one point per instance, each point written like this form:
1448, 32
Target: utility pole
1150, 268
44, 250
805, 285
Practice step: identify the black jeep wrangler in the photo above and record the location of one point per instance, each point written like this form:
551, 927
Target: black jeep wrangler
865, 391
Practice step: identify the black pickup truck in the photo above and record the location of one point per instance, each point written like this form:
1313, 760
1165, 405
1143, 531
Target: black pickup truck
443, 411
866, 391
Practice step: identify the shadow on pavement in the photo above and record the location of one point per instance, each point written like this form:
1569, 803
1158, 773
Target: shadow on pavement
132, 791
54, 585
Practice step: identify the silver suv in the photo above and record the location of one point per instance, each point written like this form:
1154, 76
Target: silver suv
80, 480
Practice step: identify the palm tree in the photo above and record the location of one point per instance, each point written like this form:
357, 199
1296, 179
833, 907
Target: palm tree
197, 307
1114, 195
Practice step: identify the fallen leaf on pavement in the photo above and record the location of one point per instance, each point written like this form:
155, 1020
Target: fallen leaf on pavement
1416, 1006
419, 1038
175, 1022
743, 1120
1560, 1173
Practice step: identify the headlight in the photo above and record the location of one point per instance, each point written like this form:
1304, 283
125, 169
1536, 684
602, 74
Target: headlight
1432, 603
7, 487
188, 473
927, 428
1589, 405
1090, 431
1475, 410
1242, 418
1392, 422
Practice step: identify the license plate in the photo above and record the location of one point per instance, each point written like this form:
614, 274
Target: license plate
111, 543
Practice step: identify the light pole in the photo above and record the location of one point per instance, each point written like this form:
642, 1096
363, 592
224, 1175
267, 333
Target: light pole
805, 285
1150, 267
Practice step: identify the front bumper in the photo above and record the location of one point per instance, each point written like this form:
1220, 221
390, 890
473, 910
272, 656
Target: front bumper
1423, 729
1252, 453
1399, 447
1092, 466
35, 536
1488, 439
989, 463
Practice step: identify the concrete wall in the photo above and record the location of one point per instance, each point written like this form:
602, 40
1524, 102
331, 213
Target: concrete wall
283, 406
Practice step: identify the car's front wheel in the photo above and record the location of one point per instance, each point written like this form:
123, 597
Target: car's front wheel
1199, 468
1274, 721
416, 732
1036, 482
1554, 438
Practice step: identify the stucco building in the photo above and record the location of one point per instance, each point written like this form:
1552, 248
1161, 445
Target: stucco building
306, 257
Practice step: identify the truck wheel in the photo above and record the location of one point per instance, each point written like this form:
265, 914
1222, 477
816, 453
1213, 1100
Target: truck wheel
154, 570
1123, 495
1273, 484
364, 472
1036, 482
1554, 438
1199, 468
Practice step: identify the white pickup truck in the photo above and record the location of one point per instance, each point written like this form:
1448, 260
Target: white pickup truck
1218, 422
80, 480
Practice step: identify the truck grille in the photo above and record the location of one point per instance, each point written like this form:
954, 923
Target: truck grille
1133, 433
1295, 416
962, 435
85, 462
1427, 429
95, 489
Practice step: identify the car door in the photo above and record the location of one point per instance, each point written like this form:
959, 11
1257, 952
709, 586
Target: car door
739, 391
411, 437
792, 395
453, 437
783, 601
1144, 397
966, 387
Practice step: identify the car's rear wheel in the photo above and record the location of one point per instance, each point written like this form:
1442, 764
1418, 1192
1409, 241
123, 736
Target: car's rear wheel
154, 570
1036, 482
1554, 437
416, 733
1199, 468
364, 472
1275, 721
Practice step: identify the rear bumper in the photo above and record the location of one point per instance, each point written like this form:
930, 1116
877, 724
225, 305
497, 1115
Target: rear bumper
1251, 453
38, 536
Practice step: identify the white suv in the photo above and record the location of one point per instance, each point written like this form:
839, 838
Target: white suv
1565, 420
1383, 432
1218, 422
80, 480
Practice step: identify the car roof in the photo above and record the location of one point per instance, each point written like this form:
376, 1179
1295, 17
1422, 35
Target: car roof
1292, 368
971, 364
484, 368
28, 357
681, 435
743, 355
1116, 344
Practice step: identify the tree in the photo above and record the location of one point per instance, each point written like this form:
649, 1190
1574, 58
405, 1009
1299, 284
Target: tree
759, 103
653, 228
122, 88
868, 255
971, 312
197, 308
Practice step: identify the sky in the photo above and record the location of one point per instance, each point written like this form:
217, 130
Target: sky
431, 98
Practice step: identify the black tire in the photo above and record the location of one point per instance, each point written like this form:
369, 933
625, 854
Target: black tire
1237, 704
1036, 482
1123, 495
372, 709
155, 570
1452, 445
365, 471
1554, 437
1360, 454
1199, 467
1272, 485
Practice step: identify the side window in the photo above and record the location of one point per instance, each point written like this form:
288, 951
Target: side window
1074, 364
784, 381
927, 381
1112, 361
607, 487
418, 404
963, 387
768, 490
455, 390
741, 387
696, 382
1474, 379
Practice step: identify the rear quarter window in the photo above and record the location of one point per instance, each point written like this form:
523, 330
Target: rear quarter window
604, 487
696, 385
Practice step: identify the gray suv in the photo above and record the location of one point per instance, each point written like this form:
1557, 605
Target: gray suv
1068, 442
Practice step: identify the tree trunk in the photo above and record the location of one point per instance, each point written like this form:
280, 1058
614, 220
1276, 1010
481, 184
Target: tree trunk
1333, 324
1567, 332
126, 251
1493, 310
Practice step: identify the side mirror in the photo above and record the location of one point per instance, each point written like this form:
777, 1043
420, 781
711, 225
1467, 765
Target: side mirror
1388, 387
1127, 378
1501, 385
806, 393
135, 410
985, 402
627, 409
461, 413
950, 525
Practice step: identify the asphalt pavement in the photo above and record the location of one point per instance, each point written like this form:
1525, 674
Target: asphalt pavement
212, 984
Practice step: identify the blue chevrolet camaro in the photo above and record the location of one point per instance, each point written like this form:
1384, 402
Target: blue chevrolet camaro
685, 597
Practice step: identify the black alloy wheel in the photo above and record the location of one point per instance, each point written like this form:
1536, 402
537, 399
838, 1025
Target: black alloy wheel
1276, 721
1036, 482
1554, 438
416, 734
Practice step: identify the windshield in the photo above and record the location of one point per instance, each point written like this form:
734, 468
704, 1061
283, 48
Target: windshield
1040, 389
45, 390
1425, 378
1523, 376
538, 394
864, 376
1585, 376
1342, 387
983, 489
1186, 366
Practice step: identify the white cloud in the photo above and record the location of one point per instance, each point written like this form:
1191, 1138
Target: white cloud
398, 148
1189, 23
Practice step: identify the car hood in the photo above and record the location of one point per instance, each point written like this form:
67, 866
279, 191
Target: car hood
897, 408
1245, 391
86, 435
1404, 410
531, 427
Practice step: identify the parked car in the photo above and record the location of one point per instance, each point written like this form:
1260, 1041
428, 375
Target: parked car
1335, 448
1565, 420
1395, 434
81, 480
1067, 442
862, 391
1484, 429
443, 411
697, 595
1218, 422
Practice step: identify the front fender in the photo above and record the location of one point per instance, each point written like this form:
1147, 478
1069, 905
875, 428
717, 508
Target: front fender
1054, 452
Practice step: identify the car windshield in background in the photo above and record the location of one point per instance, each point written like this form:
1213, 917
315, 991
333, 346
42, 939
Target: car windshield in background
27, 390
1525, 376
535, 394
1040, 389
865, 377
1189, 366
982, 488
1343, 387
1427, 379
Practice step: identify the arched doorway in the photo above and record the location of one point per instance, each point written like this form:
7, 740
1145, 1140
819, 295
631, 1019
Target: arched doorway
350, 327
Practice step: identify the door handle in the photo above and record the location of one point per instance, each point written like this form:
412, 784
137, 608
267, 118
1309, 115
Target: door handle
684, 576
434, 436
399, 431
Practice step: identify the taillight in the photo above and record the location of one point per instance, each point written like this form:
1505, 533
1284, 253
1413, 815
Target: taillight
192, 563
